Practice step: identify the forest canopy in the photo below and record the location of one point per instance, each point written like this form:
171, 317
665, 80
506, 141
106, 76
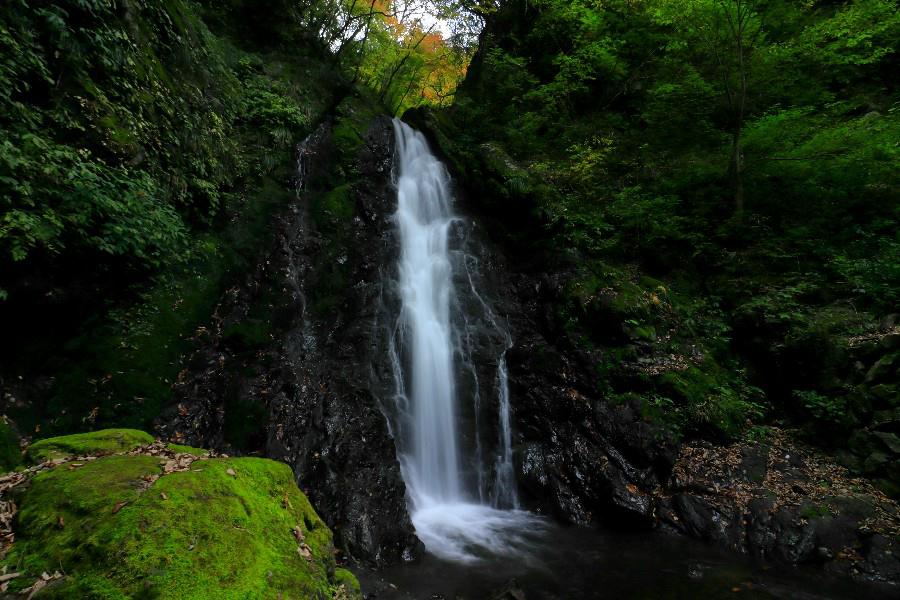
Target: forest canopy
100, 100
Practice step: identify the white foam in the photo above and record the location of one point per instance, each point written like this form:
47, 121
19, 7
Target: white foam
468, 533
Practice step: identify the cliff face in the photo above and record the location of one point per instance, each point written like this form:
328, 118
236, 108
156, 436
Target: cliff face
311, 390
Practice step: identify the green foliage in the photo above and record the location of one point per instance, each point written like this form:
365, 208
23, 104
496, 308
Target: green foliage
622, 130
704, 401
858, 34
147, 122
873, 271
758, 433
141, 159
61, 198
831, 411
95, 168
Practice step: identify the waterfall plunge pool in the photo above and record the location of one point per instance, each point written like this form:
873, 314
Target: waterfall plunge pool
558, 562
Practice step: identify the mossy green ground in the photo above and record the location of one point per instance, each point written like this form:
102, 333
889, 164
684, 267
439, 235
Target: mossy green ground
224, 528
106, 441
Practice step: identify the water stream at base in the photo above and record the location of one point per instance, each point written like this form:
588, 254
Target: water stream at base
570, 563
451, 520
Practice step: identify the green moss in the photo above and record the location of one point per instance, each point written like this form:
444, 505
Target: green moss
334, 205
354, 114
332, 212
815, 511
225, 528
106, 441
343, 577
187, 449
79, 499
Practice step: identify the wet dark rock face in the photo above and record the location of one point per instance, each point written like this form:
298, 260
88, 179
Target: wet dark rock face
321, 385
577, 457
310, 390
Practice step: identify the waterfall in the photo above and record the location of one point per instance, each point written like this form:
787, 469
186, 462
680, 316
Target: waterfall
505, 489
450, 518
425, 278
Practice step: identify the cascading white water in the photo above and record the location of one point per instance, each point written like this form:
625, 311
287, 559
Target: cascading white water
446, 515
423, 217
504, 489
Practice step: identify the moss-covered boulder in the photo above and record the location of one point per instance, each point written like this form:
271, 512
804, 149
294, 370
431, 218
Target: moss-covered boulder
167, 524
106, 441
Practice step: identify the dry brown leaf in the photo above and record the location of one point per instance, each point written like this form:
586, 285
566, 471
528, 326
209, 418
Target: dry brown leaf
305, 551
38, 586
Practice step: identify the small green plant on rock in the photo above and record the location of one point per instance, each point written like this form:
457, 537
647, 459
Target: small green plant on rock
822, 408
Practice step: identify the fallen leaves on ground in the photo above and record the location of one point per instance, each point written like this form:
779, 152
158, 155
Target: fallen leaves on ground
794, 473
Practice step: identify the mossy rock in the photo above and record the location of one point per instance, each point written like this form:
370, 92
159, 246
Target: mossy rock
224, 528
886, 369
106, 441
334, 208
187, 449
354, 115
